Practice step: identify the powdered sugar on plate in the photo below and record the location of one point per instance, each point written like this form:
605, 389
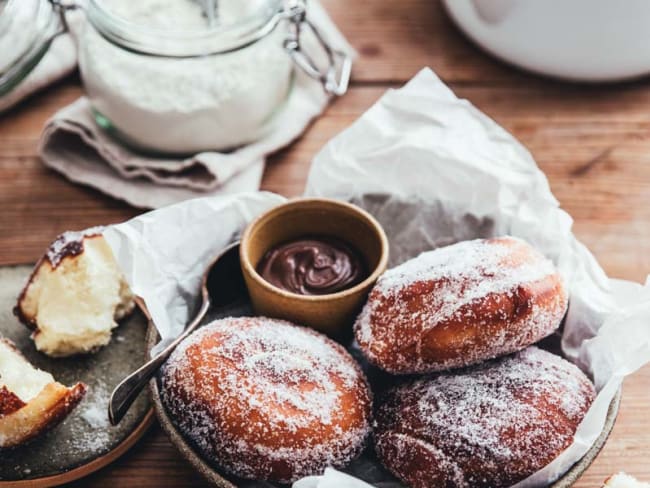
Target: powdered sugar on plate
94, 409
93, 412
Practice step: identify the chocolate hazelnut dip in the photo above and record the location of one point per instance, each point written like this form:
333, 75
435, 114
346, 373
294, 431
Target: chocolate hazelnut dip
313, 266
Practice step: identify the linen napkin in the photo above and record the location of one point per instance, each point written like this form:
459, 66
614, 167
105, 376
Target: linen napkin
74, 145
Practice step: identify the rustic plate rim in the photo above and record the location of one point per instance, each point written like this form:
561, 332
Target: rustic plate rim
92, 466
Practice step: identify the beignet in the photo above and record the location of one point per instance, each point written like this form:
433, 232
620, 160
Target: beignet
490, 425
265, 399
460, 305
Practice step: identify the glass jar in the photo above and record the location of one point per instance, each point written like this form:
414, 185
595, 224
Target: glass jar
185, 76
27, 28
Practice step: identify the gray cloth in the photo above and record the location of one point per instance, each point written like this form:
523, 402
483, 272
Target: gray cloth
74, 145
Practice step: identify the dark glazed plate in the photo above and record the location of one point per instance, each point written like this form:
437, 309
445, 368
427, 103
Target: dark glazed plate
85, 441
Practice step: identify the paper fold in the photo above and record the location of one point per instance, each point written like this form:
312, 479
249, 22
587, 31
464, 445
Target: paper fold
164, 253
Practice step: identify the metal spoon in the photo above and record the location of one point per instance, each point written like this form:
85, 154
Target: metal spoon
222, 285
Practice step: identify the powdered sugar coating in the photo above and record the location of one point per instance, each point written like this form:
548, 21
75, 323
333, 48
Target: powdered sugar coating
487, 426
459, 305
265, 399
69, 243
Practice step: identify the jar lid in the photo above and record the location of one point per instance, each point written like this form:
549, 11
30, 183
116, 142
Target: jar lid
184, 28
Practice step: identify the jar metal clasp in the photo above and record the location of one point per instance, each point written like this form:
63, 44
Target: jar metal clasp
61, 6
335, 77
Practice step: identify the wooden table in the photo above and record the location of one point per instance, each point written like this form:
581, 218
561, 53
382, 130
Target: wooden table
592, 142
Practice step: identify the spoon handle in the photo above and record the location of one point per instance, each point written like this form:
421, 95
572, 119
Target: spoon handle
127, 391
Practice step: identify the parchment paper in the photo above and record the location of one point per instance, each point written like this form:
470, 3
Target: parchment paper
164, 253
473, 179
434, 170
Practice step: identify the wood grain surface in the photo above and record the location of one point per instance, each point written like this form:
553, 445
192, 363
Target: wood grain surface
593, 142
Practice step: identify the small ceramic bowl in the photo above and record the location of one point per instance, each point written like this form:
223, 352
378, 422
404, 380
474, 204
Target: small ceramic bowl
332, 313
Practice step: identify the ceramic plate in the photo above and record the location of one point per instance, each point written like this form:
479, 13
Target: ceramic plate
85, 441
217, 478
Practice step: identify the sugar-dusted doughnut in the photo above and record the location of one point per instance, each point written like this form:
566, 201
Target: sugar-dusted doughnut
459, 305
491, 425
266, 399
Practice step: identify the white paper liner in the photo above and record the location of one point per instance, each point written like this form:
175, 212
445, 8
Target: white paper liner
331, 477
164, 253
422, 142
450, 174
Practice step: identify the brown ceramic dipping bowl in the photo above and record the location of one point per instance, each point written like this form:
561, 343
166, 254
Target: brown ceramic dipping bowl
333, 313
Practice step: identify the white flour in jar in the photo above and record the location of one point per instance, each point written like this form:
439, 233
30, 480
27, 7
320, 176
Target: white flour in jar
175, 105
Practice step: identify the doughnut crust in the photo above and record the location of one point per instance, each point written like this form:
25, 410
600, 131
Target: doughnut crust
31, 401
491, 425
265, 399
460, 305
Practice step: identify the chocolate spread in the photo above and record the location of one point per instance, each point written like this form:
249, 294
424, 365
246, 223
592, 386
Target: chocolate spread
312, 266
